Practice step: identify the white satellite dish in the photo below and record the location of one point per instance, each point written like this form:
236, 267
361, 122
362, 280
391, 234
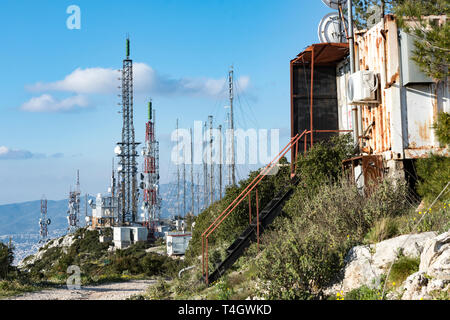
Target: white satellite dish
334, 4
331, 29
118, 150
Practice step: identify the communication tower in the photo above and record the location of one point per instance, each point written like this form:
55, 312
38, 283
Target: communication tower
73, 212
44, 222
150, 178
126, 149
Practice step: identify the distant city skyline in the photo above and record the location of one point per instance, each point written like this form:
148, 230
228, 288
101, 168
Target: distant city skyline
59, 109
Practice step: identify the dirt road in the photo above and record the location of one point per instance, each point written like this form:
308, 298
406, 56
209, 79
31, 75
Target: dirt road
112, 291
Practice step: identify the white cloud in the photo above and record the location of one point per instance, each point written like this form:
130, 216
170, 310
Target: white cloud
47, 103
11, 154
82, 81
3, 150
146, 80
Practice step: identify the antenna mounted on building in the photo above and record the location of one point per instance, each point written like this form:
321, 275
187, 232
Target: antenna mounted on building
334, 4
331, 29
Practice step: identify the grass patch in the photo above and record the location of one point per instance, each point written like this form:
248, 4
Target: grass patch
363, 293
402, 268
385, 228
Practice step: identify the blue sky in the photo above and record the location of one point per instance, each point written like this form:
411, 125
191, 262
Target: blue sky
53, 122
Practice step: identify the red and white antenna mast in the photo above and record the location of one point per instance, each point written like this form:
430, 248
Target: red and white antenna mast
152, 201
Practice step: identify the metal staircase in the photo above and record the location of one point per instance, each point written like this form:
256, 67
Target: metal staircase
263, 219
266, 217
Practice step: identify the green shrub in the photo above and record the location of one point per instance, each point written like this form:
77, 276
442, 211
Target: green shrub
307, 249
159, 291
97, 264
384, 229
434, 174
323, 163
224, 290
364, 293
6, 260
442, 128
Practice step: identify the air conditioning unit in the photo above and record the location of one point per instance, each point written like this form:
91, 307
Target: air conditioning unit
362, 88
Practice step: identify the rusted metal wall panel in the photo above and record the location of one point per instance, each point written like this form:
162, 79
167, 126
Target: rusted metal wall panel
375, 118
424, 102
400, 126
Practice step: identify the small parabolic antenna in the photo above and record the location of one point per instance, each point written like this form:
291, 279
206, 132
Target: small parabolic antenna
334, 4
118, 150
331, 29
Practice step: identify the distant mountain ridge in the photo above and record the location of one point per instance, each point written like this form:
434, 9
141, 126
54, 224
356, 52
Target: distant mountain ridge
23, 218
20, 221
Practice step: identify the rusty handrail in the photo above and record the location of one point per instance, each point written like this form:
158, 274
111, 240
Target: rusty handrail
241, 197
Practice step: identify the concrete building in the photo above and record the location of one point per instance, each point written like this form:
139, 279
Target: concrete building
177, 242
124, 237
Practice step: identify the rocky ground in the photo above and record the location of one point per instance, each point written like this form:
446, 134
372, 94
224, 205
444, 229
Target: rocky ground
365, 265
113, 291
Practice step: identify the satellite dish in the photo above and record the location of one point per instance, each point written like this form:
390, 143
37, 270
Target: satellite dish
331, 29
49, 221
118, 150
334, 4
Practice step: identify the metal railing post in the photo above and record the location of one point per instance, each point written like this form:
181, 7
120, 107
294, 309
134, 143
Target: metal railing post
250, 207
257, 218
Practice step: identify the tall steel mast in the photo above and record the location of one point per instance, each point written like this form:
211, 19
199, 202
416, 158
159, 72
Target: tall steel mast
73, 212
231, 96
152, 201
128, 174
44, 221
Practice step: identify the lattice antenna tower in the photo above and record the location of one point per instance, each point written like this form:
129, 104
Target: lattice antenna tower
151, 200
128, 192
44, 222
73, 212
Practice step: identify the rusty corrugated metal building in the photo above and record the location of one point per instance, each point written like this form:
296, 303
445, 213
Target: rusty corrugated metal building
398, 126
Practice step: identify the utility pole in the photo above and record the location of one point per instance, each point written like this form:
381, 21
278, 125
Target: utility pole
228, 151
205, 173
198, 193
352, 68
211, 187
231, 94
192, 173
178, 178
220, 162
184, 182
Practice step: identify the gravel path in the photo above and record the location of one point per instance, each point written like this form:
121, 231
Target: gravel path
112, 291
